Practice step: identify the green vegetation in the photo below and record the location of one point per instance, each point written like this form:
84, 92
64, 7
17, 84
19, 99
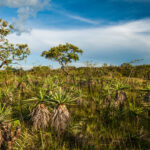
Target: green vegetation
101, 109
63, 54
91, 108
8, 51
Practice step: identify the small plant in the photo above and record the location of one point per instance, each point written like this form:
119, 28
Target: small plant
80, 99
8, 135
9, 129
120, 99
4, 113
147, 88
40, 114
120, 85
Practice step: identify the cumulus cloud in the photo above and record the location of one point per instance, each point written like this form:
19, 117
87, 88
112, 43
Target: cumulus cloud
26, 9
112, 44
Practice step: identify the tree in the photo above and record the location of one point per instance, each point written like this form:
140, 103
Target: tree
63, 54
10, 52
126, 65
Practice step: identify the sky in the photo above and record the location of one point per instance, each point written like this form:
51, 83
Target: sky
108, 31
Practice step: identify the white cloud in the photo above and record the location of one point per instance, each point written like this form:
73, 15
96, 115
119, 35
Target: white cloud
24, 67
83, 19
75, 17
26, 8
18, 3
133, 37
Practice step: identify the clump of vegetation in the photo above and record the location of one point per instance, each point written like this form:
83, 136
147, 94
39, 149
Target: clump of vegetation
8, 136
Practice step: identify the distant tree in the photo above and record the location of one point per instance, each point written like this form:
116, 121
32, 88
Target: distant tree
8, 51
63, 54
127, 65
105, 65
90, 64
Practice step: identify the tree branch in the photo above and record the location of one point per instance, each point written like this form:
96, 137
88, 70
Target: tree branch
2, 64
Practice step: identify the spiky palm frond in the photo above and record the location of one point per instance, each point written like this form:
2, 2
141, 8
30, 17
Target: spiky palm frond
61, 97
4, 113
6, 94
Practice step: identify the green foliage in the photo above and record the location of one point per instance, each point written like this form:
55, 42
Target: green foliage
4, 113
95, 124
62, 97
8, 51
135, 109
63, 54
52, 98
16, 123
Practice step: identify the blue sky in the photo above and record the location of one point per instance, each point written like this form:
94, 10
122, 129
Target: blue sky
111, 31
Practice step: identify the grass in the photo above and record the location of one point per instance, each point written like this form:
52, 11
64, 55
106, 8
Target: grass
94, 123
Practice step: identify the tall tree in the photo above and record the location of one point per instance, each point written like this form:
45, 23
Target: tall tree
63, 54
10, 52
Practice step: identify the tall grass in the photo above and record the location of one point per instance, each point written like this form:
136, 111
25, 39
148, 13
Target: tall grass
95, 122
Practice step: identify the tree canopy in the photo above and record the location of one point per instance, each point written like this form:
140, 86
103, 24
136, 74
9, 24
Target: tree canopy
63, 54
10, 52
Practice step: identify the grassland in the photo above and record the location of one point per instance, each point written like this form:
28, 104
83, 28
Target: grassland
90, 108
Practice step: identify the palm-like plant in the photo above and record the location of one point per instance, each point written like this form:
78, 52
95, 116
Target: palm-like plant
60, 115
4, 113
7, 134
60, 118
119, 85
120, 95
108, 89
120, 98
40, 114
80, 94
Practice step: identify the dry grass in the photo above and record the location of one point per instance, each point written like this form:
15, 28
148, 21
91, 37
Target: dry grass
60, 118
8, 136
120, 98
40, 117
